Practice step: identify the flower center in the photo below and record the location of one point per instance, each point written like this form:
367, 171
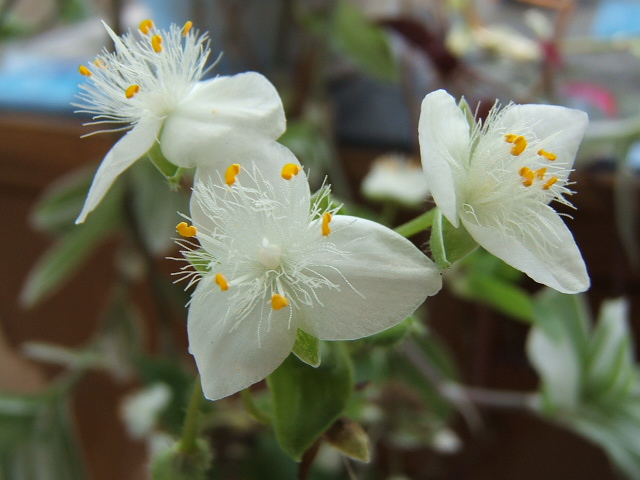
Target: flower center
269, 255
530, 176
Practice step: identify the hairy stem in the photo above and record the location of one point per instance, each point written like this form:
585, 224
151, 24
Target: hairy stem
190, 427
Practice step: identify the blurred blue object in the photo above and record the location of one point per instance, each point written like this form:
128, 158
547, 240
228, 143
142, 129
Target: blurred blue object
39, 84
617, 18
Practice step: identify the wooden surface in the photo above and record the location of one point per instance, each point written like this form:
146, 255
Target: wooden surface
34, 151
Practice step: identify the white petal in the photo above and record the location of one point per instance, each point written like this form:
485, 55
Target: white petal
556, 263
222, 118
382, 281
232, 357
444, 147
558, 129
124, 153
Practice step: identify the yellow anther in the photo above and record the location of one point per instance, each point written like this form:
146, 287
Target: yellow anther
528, 175
187, 28
550, 183
131, 91
156, 43
540, 173
548, 155
186, 230
98, 62
519, 143
146, 26
290, 170
278, 301
85, 71
231, 173
222, 282
326, 219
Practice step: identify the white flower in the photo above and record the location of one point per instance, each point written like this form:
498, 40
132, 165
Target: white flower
498, 179
152, 83
140, 410
276, 263
393, 177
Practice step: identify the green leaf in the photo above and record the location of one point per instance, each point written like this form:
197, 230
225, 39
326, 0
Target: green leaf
156, 207
497, 293
307, 348
564, 316
391, 336
65, 257
448, 243
57, 212
482, 261
468, 113
363, 42
306, 400
58, 208
17, 416
44, 446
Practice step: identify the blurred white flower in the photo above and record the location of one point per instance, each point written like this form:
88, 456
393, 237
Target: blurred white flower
446, 441
498, 178
394, 178
141, 410
499, 40
152, 83
273, 262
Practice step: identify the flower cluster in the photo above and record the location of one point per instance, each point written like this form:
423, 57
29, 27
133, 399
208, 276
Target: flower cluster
266, 258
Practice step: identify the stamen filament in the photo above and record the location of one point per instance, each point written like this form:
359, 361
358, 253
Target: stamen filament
146, 26
548, 155
326, 219
222, 282
279, 301
231, 173
290, 170
131, 91
156, 43
186, 230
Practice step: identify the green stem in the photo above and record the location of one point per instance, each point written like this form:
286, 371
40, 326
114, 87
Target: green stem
388, 214
417, 225
172, 172
190, 427
250, 406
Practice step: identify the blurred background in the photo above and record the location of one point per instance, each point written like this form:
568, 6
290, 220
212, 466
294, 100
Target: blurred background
352, 74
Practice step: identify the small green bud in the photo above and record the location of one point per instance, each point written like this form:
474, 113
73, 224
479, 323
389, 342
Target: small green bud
174, 464
349, 438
